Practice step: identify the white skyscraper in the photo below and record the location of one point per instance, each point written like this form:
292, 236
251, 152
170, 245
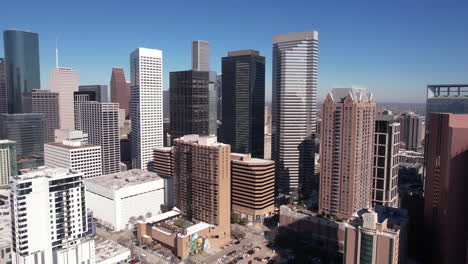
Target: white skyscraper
65, 82
49, 222
8, 164
294, 109
146, 110
200, 55
75, 155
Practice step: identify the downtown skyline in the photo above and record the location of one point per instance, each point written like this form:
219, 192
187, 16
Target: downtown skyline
392, 48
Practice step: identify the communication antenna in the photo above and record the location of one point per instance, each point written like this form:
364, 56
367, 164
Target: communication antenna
56, 52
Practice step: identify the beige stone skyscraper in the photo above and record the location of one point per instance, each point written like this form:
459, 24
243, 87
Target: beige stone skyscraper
47, 103
65, 82
202, 182
346, 158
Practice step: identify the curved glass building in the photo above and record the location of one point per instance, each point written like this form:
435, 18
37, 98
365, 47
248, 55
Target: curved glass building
22, 66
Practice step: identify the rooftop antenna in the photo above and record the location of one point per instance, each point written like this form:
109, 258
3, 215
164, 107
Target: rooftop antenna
56, 52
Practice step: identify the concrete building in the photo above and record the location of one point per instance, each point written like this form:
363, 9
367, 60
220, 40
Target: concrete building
252, 187
5, 229
411, 131
446, 98
200, 55
202, 183
64, 81
346, 156
101, 122
27, 130
414, 157
110, 252
146, 105
385, 170
163, 165
120, 89
294, 110
22, 66
445, 195
378, 236
77, 156
47, 103
70, 135
101, 91
8, 166
3, 88
116, 198
48, 220
243, 103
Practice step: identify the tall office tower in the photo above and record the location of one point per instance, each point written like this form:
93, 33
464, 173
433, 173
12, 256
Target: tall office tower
101, 91
65, 82
8, 166
27, 130
78, 98
200, 55
386, 161
219, 95
252, 187
74, 155
294, 110
445, 195
202, 181
3, 88
193, 103
244, 102
347, 151
411, 131
47, 103
163, 163
146, 105
101, 122
48, 219
120, 90
447, 98
22, 66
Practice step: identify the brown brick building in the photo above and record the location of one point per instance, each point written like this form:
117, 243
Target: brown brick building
47, 103
252, 187
346, 158
163, 162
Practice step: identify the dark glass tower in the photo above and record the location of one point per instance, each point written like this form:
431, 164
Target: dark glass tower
193, 103
243, 101
22, 66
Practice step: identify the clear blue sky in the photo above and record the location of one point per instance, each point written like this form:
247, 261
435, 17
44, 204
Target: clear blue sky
393, 47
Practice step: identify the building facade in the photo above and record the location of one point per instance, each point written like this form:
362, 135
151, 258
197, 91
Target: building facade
346, 156
47, 103
294, 109
202, 182
146, 108
3, 88
445, 195
200, 55
386, 161
116, 199
22, 66
81, 97
120, 89
77, 156
101, 122
8, 166
446, 98
411, 131
49, 222
252, 187
64, 81
101, 91
27, 130
244, 102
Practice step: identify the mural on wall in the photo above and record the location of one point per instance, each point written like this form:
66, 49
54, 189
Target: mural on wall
198, 244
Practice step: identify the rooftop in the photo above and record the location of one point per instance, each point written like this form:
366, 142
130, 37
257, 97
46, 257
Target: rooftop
6, 141
202, 140
358, 95
106, 249
246, 158
46, 172
122, 179
5, 231
68, 144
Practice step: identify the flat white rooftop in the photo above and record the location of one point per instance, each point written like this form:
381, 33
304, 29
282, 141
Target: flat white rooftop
122, 179
106, 249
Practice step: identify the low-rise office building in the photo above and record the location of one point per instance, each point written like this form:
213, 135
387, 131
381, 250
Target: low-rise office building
116, 199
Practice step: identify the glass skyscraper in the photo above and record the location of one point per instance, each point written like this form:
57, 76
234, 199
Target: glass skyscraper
22, 66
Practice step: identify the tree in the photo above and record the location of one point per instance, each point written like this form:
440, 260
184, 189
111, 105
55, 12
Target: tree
149, 214
235, 218
244, 221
